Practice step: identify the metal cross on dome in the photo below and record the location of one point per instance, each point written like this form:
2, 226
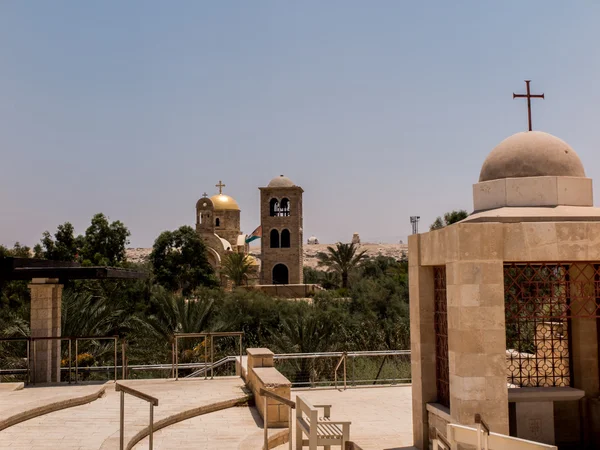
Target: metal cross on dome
220, 186
528, 96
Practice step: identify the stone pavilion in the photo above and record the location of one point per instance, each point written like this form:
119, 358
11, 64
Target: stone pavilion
504, 305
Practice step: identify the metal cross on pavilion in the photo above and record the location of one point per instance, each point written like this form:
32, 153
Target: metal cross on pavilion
528, 96
220, 186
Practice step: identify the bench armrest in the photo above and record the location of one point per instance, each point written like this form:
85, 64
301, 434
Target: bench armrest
326, 409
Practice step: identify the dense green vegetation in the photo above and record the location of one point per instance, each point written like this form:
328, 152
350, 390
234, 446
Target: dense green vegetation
365, 306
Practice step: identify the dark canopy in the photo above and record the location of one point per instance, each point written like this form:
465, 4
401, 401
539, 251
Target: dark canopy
29, 268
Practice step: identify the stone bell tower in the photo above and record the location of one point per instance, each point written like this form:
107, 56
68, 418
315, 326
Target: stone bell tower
281, 243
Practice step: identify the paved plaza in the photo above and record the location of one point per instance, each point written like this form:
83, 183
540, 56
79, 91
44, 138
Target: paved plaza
381, 417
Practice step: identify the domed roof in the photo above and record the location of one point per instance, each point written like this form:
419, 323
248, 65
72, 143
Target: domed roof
531, 154
281, 181
224, 202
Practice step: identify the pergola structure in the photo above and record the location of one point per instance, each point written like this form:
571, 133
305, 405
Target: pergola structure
46, 298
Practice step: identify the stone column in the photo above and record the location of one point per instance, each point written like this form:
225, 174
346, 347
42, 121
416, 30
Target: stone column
46, 297
477, 343
422, 338
584, 346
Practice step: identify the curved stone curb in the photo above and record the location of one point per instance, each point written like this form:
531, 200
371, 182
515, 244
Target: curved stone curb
188, 414
51, 407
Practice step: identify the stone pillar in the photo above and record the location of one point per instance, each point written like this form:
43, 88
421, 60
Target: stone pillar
584, 347
422, 338
477, 342
46, 297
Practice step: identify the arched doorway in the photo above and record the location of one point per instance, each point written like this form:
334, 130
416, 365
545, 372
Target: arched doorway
281, 274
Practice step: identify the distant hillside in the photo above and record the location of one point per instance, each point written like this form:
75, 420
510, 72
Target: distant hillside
310, 252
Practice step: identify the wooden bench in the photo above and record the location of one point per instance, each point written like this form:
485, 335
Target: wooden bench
321, 431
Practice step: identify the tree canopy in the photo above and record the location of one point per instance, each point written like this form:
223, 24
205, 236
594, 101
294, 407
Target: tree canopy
342, 259
449, 218
179, 261
236, 266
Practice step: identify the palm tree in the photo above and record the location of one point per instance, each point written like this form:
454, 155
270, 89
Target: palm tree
236, 266
343, 259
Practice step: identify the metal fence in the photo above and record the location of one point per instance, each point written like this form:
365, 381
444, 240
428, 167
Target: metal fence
309, 370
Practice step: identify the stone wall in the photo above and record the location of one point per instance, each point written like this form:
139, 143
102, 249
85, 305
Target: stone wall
261, 373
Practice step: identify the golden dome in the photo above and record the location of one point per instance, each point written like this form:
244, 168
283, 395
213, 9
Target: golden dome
224, 202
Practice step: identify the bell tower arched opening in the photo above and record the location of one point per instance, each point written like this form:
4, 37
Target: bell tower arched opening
281, 274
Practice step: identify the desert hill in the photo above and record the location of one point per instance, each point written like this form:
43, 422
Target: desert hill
310, 252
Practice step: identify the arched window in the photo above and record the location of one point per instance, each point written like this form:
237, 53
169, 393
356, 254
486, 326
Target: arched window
217, 222
281, 274
274, 207
284, 208
274, 239
200, 217
285, 239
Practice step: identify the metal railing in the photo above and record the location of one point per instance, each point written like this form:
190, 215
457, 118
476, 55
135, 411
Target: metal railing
354, 375
211, 367
341, 361
27, 369
153, 402
292, 405
32, 354
208, 337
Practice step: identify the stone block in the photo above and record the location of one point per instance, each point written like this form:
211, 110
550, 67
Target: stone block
531, 191
574, 191
489, 194
535, 421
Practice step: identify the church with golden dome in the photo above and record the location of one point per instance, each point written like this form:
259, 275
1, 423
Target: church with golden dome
280, 231
218, 225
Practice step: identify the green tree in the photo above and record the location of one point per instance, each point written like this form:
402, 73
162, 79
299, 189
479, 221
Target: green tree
342, 259
179, 261
64, 246
236, 266
449, 219
105, 243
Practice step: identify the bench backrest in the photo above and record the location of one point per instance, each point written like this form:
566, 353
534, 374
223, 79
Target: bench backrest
306, 407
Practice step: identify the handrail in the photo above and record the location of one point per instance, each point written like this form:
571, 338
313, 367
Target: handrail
207, 367
342, 360
207, 335
279, 398
332, 354
292, 405
150, 399
482, 427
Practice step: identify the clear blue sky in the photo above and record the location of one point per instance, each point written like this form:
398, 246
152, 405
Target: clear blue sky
378, 109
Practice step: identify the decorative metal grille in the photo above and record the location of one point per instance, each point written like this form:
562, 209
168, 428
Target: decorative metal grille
441, 336
540, 301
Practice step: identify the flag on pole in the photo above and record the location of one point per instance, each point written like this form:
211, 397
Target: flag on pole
256, 234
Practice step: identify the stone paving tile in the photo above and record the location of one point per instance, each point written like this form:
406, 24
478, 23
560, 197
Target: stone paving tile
230, 429
13, 402
96, 425
381, 416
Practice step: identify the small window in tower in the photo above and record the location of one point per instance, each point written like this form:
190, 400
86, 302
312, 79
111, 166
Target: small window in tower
274, 207
284, 208
217, 222
274, 239
200, 217
285, 239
